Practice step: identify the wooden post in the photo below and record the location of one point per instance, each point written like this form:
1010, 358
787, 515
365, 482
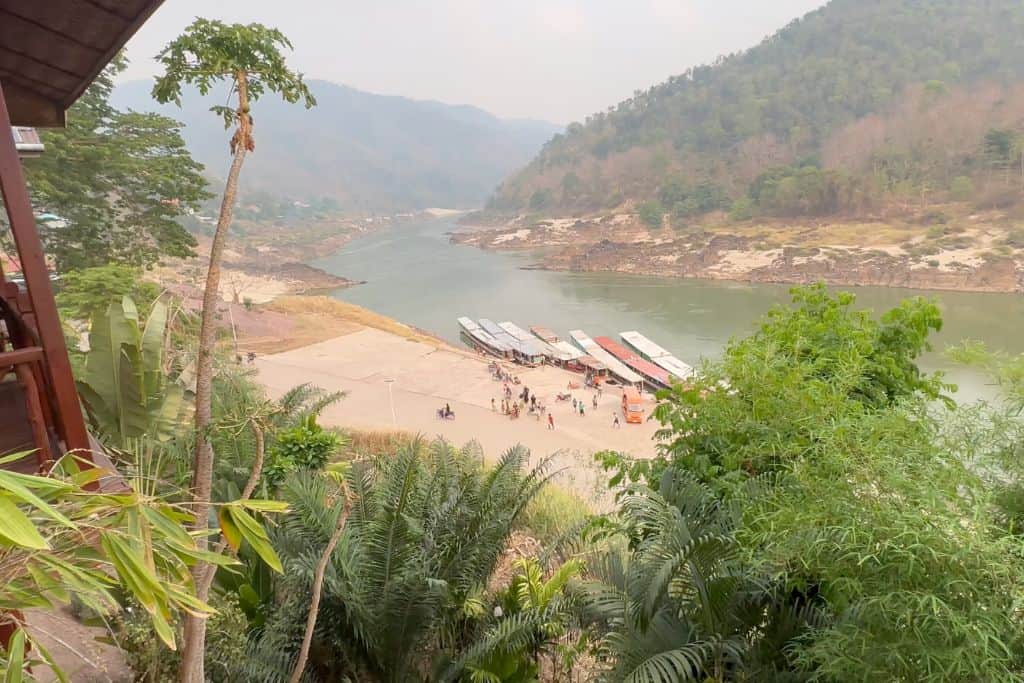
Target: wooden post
70, 424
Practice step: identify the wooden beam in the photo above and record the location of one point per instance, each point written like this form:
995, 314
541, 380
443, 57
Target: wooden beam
29, 108
70, 424
122, 38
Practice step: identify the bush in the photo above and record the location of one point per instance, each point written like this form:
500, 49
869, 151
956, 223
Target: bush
552, 513
427, 527
651, 213
961, 189
226, 637
742, 209
305, 447
932, 263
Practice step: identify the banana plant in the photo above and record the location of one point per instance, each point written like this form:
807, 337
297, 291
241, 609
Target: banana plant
124, 388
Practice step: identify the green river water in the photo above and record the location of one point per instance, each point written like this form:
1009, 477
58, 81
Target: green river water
415, 275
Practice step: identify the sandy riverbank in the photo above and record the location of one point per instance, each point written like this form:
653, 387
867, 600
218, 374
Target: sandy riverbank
426, 376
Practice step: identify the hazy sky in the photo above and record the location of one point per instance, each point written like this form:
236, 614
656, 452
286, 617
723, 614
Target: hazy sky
550, 59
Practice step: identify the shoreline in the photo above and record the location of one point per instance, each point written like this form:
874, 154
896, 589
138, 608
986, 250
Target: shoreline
976, 258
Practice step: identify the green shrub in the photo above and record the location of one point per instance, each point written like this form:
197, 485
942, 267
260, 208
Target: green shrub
226, 637
651, 213
933, 263
742, 209
305, 447
427, 527
552, 513
962, 188
936, 232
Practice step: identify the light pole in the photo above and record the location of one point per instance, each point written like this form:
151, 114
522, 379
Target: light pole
391, 402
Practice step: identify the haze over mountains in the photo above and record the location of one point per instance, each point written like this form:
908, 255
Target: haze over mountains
367, 152
859, 105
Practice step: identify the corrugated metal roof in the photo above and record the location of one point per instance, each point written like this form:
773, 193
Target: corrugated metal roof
614, 364
657, 355
634, 362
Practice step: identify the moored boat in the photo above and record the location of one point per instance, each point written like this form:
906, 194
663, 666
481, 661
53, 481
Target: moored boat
655, 376
657, 355
477, 338
614, 365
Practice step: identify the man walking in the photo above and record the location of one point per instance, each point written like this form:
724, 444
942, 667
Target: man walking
551, 421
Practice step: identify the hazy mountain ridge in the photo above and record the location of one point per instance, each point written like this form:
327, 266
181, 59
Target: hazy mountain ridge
367, 151
849, 108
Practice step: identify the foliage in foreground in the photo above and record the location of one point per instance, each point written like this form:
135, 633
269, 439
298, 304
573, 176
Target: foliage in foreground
124, 384
404, 588
59, 539
873, 510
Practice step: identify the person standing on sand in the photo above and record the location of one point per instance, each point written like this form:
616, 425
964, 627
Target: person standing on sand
581, 408
615, 423
595, 400
494, 407
551, 421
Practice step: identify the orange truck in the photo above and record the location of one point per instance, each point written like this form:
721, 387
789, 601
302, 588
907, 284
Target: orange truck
632, 405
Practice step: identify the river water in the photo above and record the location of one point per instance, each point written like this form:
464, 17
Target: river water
415, 275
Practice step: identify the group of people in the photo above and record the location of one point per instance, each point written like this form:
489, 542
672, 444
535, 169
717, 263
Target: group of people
511, 407
500, 375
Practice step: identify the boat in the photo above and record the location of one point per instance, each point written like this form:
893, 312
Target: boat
657, 355
568, 356
653, 375
529, 341
477, 338
525, 353
616, 367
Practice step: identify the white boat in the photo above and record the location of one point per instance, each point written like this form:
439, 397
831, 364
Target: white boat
528, 353
478, 338
530, 341
614, 365
657, 355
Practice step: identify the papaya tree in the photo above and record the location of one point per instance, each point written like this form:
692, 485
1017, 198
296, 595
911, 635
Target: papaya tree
248, 58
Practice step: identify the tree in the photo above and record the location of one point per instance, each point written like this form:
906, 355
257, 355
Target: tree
249, 58
116, 184
865, 488
87, 292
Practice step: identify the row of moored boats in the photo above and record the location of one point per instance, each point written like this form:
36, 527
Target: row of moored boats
637, 361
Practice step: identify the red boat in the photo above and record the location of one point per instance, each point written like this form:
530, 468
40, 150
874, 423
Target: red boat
652, 373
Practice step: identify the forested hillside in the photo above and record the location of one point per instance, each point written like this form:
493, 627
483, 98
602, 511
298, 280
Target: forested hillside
859, 106
360, 150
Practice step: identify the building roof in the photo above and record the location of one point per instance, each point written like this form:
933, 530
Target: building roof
51, 51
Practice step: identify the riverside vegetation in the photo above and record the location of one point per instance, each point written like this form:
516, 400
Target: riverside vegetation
819, 510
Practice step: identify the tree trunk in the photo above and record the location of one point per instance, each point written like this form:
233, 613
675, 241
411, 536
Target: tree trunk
191, 667
318, 589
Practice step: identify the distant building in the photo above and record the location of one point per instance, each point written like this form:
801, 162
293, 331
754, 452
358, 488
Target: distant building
27, 142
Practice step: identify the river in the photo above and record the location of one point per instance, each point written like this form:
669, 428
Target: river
415, 275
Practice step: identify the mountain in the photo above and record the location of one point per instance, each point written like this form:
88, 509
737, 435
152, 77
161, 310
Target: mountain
362, 150
857, 107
